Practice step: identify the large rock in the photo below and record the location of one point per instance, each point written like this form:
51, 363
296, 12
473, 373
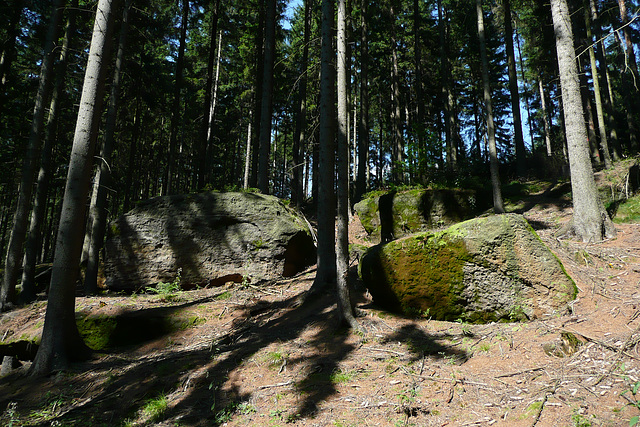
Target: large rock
485, 269
210, 238
396, 214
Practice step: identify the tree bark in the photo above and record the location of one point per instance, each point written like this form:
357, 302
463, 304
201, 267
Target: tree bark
131, 187
21, 217
171, 179
98, 209
266, 108
61, 343
527, 99
257, 95
363, 131
397, 163
417, 59
521, 152
498, 206
604, 146
616, 150
8, 48
588, 113
326, 272
545, 116
447, 97
207, 122
631, 80
34, 238
590, 220
342, 244
301, 114
247, 159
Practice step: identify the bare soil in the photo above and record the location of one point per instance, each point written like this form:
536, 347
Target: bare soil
250, 356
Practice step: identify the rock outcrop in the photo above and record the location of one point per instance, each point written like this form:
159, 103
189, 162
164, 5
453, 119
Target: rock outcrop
397, 214
208, 239
486, 269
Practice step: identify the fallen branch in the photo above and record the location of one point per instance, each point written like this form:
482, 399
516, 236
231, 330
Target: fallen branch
539, 413
526, 371
385, 351
275, 385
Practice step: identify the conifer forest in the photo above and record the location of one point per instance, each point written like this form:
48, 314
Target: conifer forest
105, 104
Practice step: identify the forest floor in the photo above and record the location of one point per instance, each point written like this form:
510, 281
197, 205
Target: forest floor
249, 356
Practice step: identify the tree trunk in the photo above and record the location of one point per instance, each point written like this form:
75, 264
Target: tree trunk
8, 48
631, 80
447, 97
342, 244
521, 153
171, 179
397, 165
266, 109
247, 159
545, 116
527, 99
588, 113
132, 186
34, 238
597, 92
257, 96
301, 113
207, 121
616, 150
61, 343
21, 217
498, 206
590, 220
326, 272
417, 59
363, 131
98, 210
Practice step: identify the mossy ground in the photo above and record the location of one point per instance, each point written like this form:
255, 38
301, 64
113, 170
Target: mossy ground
628, 211
103, 332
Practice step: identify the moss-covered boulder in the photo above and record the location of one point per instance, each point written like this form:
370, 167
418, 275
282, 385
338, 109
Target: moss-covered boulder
206, 239
485, 269
396, 214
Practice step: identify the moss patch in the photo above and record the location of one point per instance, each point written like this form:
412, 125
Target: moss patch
96, 331
482, 270
105, 332
437, 259
628, 211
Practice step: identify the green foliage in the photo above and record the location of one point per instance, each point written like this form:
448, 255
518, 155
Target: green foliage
580, 420
275, 359
226, 414
155, 408
634, 402
339, 376
53, 404
167, 290
10, 416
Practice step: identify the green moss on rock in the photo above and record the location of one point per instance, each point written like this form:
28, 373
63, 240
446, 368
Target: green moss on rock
386, 216
482, 270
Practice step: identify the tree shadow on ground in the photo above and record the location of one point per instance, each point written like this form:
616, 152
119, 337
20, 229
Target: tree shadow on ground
552, 196
203, 373
424, 345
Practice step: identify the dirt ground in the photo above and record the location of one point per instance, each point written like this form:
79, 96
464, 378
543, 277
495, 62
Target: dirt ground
249, 356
